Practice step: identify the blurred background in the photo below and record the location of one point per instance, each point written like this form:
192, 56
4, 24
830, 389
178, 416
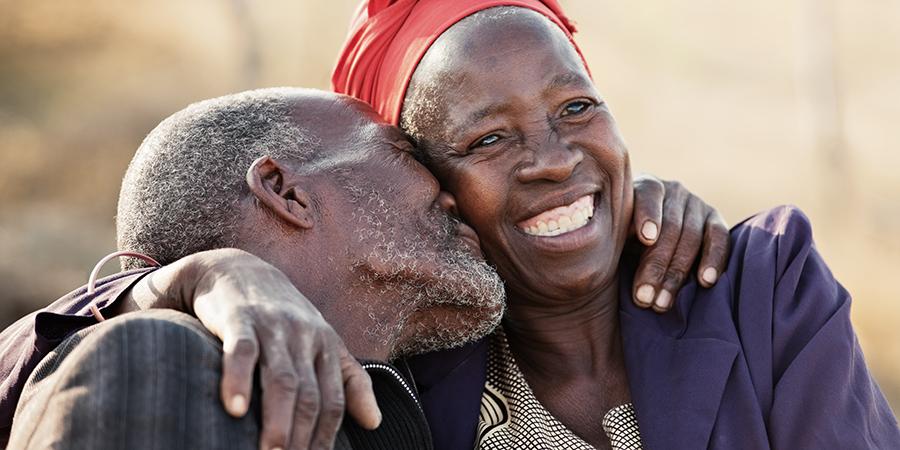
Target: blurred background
749, 104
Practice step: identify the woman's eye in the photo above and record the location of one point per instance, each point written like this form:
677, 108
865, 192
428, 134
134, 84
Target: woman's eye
575, 108
487, 140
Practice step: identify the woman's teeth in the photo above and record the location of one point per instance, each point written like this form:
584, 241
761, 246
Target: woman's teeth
560, 220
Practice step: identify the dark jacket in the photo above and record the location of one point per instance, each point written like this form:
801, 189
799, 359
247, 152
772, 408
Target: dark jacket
25, 343
403, 425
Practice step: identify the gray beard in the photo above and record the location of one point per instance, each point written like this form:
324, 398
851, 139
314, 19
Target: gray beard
470, 290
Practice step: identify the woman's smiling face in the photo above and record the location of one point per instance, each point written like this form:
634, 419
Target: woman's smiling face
513, 127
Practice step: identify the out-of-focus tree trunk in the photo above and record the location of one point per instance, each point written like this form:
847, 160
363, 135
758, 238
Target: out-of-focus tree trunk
819, 75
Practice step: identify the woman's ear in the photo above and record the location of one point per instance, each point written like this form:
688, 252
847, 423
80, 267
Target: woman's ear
269, 182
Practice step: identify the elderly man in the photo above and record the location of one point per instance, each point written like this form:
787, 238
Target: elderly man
325, 206
331, 198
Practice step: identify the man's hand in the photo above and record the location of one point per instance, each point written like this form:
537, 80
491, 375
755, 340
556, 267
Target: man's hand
259, 315
674, 224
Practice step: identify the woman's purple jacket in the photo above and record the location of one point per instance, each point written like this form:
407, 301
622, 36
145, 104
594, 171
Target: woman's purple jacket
765, 359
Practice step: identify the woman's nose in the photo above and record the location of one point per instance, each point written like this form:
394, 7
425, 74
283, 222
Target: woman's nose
552, 162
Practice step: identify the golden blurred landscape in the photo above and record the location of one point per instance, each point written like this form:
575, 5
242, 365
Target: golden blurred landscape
749, 104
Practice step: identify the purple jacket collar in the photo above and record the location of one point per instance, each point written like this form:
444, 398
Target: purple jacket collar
676, 382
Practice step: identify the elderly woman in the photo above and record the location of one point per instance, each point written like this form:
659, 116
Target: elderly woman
501, 102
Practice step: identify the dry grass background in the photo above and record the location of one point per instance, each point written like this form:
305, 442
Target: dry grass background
750, 104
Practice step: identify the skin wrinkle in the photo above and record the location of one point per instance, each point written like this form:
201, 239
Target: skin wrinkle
468, 281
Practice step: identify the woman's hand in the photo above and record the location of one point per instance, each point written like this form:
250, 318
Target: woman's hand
675, 225
307, 374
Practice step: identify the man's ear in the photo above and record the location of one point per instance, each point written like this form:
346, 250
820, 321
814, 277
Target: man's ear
269, 182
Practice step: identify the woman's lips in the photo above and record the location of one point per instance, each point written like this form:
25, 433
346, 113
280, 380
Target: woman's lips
576, 237
560, 220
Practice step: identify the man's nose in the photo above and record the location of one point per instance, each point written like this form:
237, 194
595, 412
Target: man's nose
554, 161
447, 203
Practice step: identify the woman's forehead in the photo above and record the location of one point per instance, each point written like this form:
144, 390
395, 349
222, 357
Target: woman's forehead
487, 34
476, 62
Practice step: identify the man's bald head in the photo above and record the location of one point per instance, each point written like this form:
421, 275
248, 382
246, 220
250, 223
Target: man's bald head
182, 189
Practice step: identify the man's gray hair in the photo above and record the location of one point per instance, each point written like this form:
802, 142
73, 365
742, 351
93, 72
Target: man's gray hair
182, 191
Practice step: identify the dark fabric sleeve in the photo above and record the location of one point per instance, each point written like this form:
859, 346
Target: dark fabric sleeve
824, 395
24, 343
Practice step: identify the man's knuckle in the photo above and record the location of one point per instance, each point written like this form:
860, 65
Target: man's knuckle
365, 380
285, 379
245, 346
277, 435
360, 380
333, 408
308, 400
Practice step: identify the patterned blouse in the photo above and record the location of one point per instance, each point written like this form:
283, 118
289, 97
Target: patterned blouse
512, 418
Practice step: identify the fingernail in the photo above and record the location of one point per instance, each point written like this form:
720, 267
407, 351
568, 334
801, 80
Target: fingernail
645, 294
238, 405
276, 448
710, 275
649, 230
664, 299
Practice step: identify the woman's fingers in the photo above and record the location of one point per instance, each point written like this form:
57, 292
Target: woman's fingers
655, 261
649, 194
240, 352
685, 253
361, 403
716, 243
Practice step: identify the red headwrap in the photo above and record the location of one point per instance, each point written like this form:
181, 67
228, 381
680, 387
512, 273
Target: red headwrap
388, 38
